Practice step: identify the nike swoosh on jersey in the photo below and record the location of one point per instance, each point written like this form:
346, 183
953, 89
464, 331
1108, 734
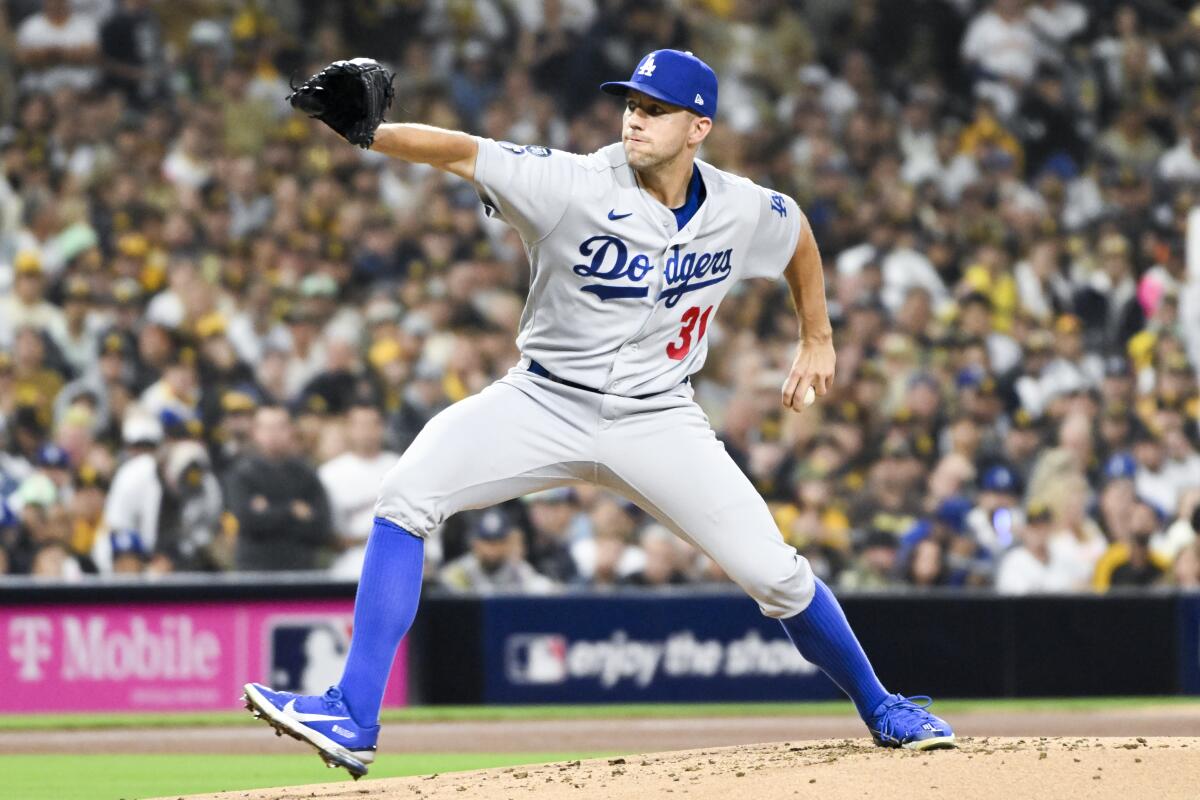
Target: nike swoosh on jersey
300, 716
613, 215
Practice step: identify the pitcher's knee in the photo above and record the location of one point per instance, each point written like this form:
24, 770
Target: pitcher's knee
405, 501
783, 593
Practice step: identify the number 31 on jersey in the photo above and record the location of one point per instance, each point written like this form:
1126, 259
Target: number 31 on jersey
677, 350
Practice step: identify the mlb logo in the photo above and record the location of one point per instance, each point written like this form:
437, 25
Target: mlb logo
306, 654
536, 658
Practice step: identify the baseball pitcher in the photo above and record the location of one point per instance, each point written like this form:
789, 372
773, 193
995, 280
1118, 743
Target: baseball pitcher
631, 248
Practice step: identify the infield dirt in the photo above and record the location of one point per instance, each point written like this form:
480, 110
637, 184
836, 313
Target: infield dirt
1009, 768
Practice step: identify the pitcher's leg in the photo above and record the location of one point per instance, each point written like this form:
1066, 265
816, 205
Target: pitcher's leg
385, 604
503, 442
671, 463
668, 460
682, 474
493, 446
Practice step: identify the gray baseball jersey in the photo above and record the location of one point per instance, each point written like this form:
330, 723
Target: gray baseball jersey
619, 302
620, 298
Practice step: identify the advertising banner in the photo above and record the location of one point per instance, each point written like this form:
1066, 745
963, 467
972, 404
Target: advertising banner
1189, 643
644, 648
172, 656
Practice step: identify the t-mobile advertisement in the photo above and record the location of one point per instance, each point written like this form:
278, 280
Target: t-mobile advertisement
172, 657
602, 649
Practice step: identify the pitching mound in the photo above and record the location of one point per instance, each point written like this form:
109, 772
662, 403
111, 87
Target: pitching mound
1013, 769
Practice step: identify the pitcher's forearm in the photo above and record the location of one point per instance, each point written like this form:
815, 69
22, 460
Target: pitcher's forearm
452, 151
806, 279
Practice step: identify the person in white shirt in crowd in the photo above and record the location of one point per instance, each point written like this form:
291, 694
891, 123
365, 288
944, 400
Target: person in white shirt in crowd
164, 503
607, 556
1154, 479
1181, 534
352, 482
1031, 567
1057, 22
1003, 48
1041, 283
58, 48
1181, 164
1071, 371
1182, 461
1129, 56
27, 306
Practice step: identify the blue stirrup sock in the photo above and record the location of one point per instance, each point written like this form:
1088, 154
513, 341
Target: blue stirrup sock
384, 607
823, 636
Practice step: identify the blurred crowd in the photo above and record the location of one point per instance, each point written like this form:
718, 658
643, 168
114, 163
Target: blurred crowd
220, 324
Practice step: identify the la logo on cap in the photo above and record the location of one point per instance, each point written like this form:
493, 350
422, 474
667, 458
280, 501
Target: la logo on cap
647, 67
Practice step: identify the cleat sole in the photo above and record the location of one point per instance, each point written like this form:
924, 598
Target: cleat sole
936, 743
282, 725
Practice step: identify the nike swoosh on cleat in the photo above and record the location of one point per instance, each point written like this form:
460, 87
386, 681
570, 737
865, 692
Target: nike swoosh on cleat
300, 716
614, 216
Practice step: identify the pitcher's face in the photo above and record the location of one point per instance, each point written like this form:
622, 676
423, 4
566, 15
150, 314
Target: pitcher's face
654, 132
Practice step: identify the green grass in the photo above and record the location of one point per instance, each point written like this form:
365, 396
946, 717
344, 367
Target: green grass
559, 712
108, 777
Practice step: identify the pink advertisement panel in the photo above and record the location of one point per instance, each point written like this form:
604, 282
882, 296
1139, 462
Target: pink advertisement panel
172, 656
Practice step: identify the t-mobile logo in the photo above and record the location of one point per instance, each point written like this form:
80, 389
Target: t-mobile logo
29, 645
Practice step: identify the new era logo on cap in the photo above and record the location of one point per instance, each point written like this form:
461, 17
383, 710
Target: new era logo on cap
699, 100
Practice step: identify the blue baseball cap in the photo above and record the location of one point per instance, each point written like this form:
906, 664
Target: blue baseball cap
1120, 466
492, 525
953, 512
999, 478
127, 542
674, 77
53, 456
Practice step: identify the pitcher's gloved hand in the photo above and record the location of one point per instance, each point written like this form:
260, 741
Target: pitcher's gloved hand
349, 96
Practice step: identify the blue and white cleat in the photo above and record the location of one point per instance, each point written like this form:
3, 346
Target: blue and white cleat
899, 722
323, 722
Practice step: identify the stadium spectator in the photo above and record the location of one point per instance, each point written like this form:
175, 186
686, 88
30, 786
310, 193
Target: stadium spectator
281, 507
165, 505
875, 567
551, 513
494, 561
609, 556
26, 306
57, 47
1130, 561
1033, 565
133, 53
1002, 50
664, 559
352, 480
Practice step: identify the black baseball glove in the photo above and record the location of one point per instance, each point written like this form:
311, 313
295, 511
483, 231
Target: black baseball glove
349, 96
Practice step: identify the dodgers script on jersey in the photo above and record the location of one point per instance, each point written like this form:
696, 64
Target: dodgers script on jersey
620, 298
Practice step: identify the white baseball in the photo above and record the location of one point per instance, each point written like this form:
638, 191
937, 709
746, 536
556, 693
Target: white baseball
810, 397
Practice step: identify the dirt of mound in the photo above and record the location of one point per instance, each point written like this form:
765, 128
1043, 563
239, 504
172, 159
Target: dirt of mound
1008, 768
